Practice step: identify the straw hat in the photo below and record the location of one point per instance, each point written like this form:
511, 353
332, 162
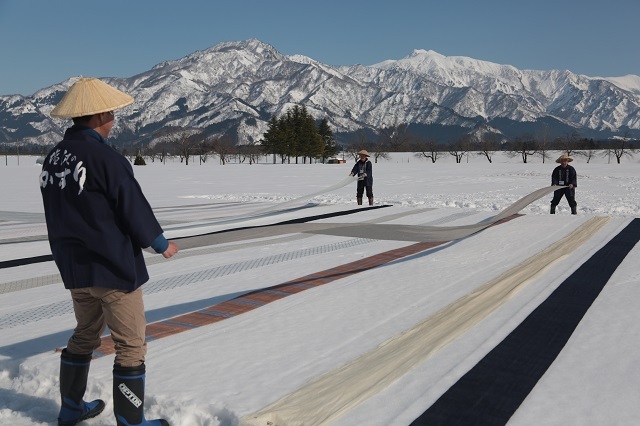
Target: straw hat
90, 96
564, 157
363, 152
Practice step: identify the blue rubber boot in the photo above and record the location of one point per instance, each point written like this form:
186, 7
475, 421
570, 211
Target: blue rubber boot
74, 370
128, 397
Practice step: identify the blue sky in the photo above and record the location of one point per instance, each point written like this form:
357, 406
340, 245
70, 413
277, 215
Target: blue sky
45, 41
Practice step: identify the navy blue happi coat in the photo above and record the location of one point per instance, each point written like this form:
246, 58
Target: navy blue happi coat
98, 219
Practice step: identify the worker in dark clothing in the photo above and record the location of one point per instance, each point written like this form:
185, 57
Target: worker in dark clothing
98, 222
364, 171
564, 175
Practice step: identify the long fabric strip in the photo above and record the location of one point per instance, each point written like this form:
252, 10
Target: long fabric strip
491, 392
280, 206
335, 393
359, 230
392, 232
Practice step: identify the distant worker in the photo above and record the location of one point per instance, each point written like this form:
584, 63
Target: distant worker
364, 170
98, 222
564, 175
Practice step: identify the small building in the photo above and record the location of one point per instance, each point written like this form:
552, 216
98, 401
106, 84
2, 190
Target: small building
335, 161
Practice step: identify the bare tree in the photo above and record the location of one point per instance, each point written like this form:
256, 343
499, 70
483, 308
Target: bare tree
428, 148
249, 153
524, 146
488, 145
376, 154
352, 151
544, 143
587, 149
375, 149
378, 149
460, 147
150, 153
204, 150
362, 143
620, 147
185, 141
568, 143
162, 150
396, 137
224, 147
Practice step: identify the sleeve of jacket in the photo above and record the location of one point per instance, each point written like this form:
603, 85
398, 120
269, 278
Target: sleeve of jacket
554, 177
574, 177
133, 210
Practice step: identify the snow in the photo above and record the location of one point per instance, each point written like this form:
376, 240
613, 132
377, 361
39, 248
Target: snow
221, 374
628, 82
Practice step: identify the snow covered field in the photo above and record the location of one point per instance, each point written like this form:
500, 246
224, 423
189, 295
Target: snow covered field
231, 371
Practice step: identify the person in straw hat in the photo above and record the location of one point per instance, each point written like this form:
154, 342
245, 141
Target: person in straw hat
364, 171
98, 222
564, 175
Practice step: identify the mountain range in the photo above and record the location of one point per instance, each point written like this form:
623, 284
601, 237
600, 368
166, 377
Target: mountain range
234, 88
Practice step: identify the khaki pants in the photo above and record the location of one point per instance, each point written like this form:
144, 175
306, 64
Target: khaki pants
123, 312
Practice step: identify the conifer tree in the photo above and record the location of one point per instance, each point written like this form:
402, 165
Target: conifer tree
295, 134
330, 149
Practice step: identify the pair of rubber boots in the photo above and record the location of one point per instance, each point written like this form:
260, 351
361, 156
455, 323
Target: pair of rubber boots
128, 393
573, 209
359, 199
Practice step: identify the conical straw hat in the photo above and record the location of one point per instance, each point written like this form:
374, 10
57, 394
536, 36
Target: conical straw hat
564, 157
90, 96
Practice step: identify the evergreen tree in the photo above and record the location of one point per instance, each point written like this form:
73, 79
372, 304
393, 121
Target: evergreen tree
295, 134
287, 133
330, 149
271, 138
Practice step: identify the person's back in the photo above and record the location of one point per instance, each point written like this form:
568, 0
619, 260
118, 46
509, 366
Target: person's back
96, 214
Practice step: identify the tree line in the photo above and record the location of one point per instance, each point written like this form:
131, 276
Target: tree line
297, 135
294, 134
398, 139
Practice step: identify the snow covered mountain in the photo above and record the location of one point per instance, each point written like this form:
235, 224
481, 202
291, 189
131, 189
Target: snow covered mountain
236, 87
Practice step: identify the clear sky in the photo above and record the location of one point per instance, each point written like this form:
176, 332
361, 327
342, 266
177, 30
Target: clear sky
43, 42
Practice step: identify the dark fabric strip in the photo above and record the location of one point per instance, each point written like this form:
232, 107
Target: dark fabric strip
47, 258
291, 221
491, 392
25, 261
